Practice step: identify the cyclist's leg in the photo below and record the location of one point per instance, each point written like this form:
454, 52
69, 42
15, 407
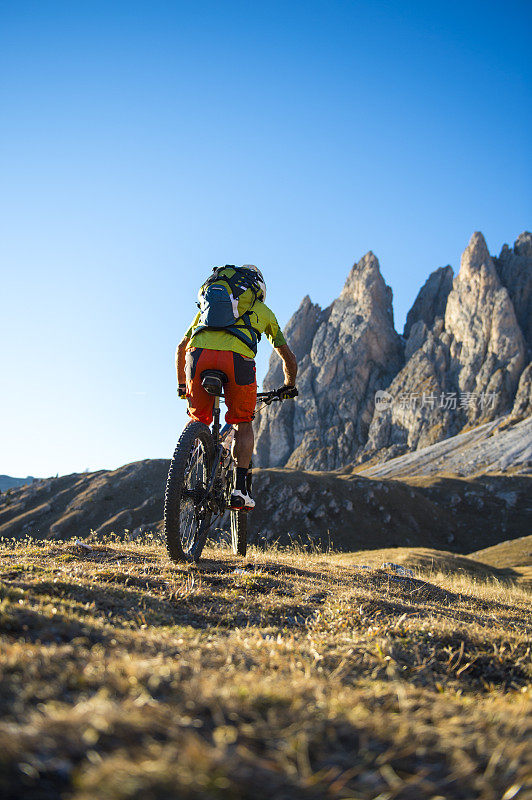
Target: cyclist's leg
241, 398
243, 444
240, 393
200, 402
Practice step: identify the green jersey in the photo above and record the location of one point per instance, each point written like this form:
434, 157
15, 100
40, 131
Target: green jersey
262, 319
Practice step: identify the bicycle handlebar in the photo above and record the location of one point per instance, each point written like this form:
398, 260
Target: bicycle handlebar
277, 395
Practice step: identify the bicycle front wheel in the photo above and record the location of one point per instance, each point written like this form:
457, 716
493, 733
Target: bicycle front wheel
186, 513
239, 524
239, 532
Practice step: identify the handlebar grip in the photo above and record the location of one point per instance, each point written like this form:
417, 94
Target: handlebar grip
288, 394
277, 394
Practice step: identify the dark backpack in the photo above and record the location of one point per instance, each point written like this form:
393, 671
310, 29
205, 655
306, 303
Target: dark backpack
225, 302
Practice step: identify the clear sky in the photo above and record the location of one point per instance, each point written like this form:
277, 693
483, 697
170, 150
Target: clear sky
141, 143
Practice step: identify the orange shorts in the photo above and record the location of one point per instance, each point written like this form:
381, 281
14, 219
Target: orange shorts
240, 391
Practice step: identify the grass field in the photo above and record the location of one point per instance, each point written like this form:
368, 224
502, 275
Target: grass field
284, 675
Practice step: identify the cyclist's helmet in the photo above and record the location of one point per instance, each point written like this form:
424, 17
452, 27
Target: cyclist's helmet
262, 282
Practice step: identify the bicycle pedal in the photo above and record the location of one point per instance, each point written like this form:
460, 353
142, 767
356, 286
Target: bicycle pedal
239, 508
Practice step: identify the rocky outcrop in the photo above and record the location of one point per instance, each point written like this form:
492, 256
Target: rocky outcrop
347, 353
429, 307
522, 407
300, 332
275, 434
514, 267
431, 300
487, 349
464, 353
503, 445
414, 416
275, 431
464, 371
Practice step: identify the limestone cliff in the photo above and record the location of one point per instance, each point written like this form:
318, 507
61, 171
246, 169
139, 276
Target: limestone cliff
458, 364
346, 353
514, 267
465, 370
431, 300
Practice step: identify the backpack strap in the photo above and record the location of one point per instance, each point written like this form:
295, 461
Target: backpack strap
250, 336
246, 333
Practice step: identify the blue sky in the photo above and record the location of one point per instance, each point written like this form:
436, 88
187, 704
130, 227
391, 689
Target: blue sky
143, 142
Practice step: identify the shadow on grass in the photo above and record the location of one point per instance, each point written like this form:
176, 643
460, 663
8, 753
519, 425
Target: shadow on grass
135, 607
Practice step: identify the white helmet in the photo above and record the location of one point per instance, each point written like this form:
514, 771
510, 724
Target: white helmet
262, 282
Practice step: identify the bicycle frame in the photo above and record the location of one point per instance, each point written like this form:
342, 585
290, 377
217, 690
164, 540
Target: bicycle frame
218, 447
198, 506
217, 434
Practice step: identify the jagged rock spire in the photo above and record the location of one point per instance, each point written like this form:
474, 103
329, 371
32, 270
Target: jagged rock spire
514, 267
486, 347
348, 351
463, 341
463, 371
431, 300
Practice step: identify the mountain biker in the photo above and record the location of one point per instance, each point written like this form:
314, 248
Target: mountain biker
233, 352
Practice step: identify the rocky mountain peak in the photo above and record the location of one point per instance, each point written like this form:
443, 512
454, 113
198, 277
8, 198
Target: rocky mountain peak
463, 371
346, 353
300, 332
431, 300
463, 341
523, 245
514, 267
475, 257
303, 325
366, 289
481, 320
368, 265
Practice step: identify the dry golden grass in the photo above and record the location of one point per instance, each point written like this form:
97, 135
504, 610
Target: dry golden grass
305, 676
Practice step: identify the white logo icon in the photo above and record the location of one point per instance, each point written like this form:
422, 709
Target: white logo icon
383, 400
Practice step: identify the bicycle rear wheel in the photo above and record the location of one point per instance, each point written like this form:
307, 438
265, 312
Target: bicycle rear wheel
186, 513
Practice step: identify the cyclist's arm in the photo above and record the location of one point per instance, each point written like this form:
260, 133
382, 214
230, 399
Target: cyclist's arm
181, 350
180, 359
276, 337
289, 364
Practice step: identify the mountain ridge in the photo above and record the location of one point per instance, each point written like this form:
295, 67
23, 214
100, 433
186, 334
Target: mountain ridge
465, 349
9, 482
469, 492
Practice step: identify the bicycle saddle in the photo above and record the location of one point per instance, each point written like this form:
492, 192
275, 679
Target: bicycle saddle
213, 380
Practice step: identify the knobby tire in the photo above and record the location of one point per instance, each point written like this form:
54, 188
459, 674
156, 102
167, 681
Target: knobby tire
239, 532
239, 525
175, 497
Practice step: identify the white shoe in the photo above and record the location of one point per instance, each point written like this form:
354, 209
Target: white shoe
241, 501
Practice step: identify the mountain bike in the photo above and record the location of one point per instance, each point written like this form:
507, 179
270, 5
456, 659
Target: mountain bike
200, 479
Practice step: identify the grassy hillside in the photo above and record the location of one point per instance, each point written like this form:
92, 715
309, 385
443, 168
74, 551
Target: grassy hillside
515, 555
341, 508
285, 675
